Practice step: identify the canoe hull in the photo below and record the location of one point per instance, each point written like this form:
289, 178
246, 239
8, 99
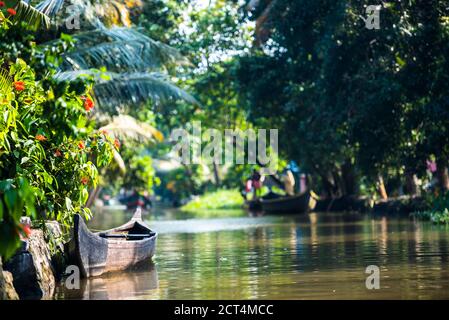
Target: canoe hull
96, 255
301, 203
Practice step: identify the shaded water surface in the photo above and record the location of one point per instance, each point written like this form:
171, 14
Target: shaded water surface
311, 256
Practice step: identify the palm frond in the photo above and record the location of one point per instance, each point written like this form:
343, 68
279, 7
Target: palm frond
31, 15
5, 82
109, 12
119, 161
67, 10
50, 7
113, 90
127, 127
119, 50
136, 88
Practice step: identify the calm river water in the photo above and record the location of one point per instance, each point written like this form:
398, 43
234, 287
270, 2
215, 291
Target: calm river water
310, 256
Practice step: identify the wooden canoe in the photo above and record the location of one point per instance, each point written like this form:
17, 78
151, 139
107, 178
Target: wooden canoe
112, 250
301, 203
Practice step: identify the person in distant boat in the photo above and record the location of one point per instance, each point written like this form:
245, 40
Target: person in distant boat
289, 182
247, 189
256, 182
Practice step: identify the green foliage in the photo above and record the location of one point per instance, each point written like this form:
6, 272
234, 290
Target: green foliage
160, 19
182, 182
140, 174
47, 151
49, 146
439, 212
350, 102
216, 200
24, 12
237, 176
16, 199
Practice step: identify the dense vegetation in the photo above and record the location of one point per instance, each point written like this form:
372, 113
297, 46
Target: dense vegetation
362, 112
65, 101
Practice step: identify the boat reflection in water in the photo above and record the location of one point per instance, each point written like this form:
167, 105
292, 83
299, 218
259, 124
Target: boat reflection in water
140, 282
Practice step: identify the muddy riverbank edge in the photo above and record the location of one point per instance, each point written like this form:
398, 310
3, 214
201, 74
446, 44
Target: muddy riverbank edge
32, 273
401, 205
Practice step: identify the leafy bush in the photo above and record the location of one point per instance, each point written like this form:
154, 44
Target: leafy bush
439, 212
218, 200
49, 151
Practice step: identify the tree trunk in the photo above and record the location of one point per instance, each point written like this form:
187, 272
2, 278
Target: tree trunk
216, 174
92, 196
190, 178
349, 179
442, 175
381, 188
339, 187
411, 184
328, 186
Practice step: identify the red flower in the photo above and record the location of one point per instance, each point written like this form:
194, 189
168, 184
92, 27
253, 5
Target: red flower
11, 11
2, 4
19, 85
117, 143
40, 137
81, 145
88, 104
26, 230
58, 153
84, 180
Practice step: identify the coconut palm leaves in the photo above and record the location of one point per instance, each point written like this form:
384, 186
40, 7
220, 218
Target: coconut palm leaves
131, 58
50, 7
124, 126
27, 13
120, 50
116, 90
138, 87
5, 83
109, 12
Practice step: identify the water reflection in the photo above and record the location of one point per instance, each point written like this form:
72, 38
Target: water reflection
138, 283
283, 257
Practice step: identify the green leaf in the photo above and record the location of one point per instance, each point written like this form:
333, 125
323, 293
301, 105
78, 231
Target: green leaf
24, 160
68, 204
84, 195
34, 18
10, 199
9, 240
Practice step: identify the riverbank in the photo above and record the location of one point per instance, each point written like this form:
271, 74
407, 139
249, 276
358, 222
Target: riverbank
216, 201
434, 209
33, 271
400, 205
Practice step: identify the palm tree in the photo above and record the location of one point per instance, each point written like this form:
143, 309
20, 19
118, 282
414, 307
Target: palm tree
28, 13
137, 66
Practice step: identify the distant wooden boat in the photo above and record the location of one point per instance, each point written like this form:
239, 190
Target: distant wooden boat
135, 201
112, 250
301, 203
